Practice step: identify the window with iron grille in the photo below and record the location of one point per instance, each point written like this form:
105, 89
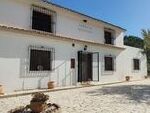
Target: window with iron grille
136, 64
41, 59
43, 19
109, 63
108, 37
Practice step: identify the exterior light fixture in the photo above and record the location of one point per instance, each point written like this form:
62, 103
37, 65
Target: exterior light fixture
85, 21
85, 47
73, 44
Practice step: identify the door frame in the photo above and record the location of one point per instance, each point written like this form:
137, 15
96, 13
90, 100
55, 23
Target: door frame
97, 65
80, 65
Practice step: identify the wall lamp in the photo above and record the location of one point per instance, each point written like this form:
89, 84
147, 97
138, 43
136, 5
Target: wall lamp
85, 47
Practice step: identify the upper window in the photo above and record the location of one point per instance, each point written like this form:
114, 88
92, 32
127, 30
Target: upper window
108, 37
41, 60
109, 63
43, 19
136, 64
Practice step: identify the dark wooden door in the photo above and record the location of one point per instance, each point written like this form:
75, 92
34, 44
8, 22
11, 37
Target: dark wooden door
89, 67
84, 66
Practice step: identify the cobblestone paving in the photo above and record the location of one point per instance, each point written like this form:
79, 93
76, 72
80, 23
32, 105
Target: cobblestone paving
132, 97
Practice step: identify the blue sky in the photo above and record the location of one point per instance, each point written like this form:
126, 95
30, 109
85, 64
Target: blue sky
132, 15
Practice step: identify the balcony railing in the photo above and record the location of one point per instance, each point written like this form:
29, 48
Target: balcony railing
110, 41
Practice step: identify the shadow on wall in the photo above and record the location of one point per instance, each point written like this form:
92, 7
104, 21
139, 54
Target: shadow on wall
61, 78
19, 64
136, 93
65, 77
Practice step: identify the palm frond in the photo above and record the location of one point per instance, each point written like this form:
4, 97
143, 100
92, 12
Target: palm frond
146, 36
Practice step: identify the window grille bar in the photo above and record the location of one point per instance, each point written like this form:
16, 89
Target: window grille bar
52, 59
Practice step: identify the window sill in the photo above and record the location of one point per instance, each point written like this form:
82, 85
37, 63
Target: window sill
40, 31
39, 71
109, 44
136, 71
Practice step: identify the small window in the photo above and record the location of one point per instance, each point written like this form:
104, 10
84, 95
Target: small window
72, 63
40, 60
41, 21
108, 37
109, 64
136, 64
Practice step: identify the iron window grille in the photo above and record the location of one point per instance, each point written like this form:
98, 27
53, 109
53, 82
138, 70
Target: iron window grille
43, 19
109, 63
41, 59
109, 35
136, 64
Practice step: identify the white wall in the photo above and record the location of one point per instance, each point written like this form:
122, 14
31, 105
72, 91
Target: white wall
71, 26
14, 62
17, 13
119, 39
128, 55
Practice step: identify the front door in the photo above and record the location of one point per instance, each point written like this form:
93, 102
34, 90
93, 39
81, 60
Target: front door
88, 66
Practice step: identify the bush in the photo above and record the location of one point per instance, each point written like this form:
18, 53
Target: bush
39, 97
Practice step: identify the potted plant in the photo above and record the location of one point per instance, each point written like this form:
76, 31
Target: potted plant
127, 78
50, 85
38, 102
146, 77
1, 90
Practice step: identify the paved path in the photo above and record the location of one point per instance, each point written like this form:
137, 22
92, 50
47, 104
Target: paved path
132, 97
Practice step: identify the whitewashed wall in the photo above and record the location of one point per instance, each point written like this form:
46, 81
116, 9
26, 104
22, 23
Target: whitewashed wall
14, 62
128, 55
71, 26
17, 13
14, 14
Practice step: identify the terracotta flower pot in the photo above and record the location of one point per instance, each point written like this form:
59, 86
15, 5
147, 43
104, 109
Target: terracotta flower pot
37, 107
50, 85
127, 78
1, 90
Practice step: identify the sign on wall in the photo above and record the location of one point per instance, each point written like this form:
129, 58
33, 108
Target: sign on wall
85, 28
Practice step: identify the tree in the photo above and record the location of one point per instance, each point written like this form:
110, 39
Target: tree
146, 37
134, 41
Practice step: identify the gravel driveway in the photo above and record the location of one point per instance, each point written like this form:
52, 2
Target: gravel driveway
132, 97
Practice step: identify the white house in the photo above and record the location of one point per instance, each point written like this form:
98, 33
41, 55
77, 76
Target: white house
41, 42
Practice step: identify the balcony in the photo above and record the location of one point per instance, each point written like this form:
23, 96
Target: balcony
108, 38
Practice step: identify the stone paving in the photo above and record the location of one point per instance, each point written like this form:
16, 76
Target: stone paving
129, 97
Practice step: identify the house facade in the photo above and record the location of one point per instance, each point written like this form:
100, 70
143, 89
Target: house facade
42, 42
